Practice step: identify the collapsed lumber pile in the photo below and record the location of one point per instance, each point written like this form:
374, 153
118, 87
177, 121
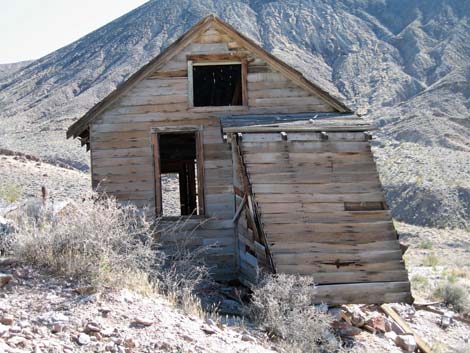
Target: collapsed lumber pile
383, 320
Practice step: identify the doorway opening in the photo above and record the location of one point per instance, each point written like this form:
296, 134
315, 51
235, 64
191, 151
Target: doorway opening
178, 173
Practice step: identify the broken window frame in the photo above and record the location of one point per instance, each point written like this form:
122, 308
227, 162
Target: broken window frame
155, 133
217, 59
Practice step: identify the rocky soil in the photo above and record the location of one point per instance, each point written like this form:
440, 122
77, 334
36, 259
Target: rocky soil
40, 313
435, 256
28, 177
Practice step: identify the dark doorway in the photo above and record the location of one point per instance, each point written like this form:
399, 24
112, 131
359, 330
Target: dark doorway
217, 85
178, 165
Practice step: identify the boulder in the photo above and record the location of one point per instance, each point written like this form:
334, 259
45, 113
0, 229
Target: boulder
83, 339
406, 342
446, 319
7, 320
143, 321
16, 341
346, 330
5, 279
7, 226
391, 336
379, 323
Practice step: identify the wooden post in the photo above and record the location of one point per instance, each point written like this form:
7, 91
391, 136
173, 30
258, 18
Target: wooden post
157, 175
250, 207
200, 171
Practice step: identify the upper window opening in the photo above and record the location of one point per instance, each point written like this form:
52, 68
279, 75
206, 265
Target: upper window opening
217, 85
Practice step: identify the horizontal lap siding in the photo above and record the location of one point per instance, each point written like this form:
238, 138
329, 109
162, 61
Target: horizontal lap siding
122, 160
302, 188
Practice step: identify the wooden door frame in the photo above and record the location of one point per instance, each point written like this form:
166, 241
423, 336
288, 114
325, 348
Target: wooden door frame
154, 137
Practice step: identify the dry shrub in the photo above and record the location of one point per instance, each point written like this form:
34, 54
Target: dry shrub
10, 192
97, 242
182, 272
282, 306
454, 295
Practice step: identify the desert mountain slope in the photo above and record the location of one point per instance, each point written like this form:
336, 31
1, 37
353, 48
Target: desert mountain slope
9, 69
404, 63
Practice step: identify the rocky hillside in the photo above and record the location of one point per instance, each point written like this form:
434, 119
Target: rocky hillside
8, 69
405, 64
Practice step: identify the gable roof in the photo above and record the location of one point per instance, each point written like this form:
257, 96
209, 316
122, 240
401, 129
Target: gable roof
80, 126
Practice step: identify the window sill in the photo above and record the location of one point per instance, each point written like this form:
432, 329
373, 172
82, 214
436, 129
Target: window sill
227, 108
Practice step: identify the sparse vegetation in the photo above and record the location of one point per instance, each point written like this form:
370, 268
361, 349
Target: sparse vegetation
419, 282
183, 271
425, 244
282, 306
431, 260
10, 192
106, 245
454, 295
98, 243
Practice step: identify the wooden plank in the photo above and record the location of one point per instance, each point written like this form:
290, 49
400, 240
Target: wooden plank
157, 175
271, 92
146, 126
230, 56
264, 85
363, 293
301, 177
304, 146
351, 267
314, 198
287, 246
200, 172
294, 157
245, 99
325, 227
405, 327
337, 258
347, 237
122, 152
120, 144
145, 100
323, 217
266, 77
169, 73
327, 188
360, 277
287, 101
291, 208
313, 167
239, 210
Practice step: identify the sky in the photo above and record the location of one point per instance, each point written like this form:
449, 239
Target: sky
30, 29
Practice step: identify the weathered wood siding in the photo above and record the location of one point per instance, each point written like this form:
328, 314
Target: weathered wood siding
323, 212
122, 160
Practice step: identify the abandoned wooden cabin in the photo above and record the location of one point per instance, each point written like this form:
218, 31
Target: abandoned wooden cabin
281, 171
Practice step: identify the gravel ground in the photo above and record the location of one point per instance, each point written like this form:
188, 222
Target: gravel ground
39, 313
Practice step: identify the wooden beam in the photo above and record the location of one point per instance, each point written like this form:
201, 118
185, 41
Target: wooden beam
387, 309
252, 212
239, 210
216, 57
200, 171
157, 175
